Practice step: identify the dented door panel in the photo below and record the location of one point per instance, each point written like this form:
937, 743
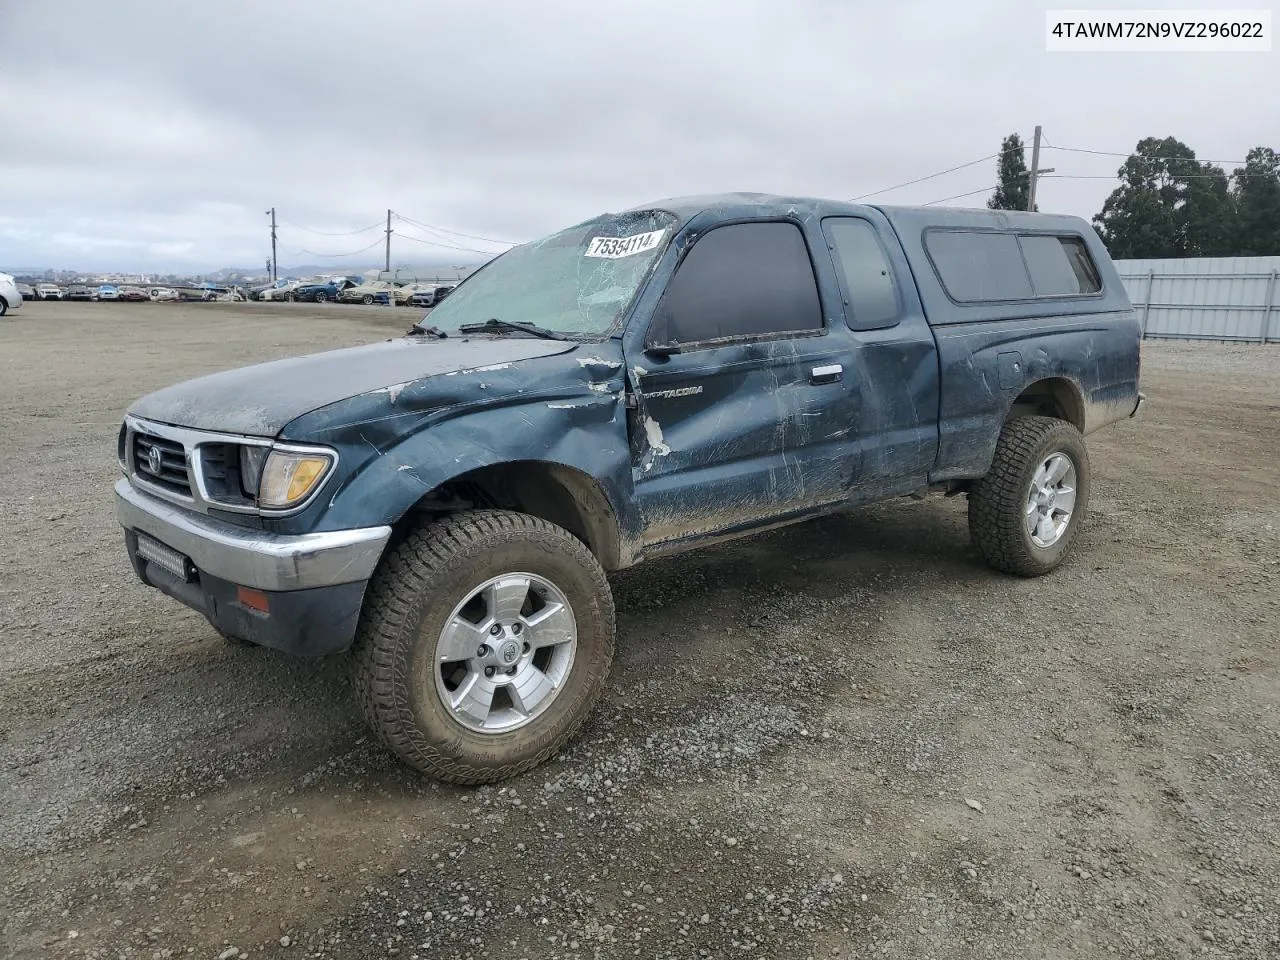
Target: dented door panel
739, 433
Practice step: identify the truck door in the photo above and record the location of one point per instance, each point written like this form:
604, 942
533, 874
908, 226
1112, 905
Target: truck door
743, 401
893, 436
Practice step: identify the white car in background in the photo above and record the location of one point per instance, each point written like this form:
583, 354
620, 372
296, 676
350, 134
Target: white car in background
48, 291
281, 292
10, 298
162, 294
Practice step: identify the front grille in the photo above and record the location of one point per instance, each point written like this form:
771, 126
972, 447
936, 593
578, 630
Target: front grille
220, 469
162, 462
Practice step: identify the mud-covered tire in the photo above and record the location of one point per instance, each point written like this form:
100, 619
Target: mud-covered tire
998, 503
411, 596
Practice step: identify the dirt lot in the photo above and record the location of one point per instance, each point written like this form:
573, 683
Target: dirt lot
845, 738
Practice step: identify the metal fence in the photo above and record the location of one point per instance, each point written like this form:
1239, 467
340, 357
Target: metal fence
1208, 298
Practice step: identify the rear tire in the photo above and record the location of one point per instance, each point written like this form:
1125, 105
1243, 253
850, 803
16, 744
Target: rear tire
1022, 518
4, 306
416, 599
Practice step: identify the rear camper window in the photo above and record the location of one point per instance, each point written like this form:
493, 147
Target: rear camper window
983, 266
976, 266
1060, 266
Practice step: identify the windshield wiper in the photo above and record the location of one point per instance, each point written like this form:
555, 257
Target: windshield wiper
493, 324
420, 331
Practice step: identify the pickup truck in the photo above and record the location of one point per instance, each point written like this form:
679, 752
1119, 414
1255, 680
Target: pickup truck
448, 503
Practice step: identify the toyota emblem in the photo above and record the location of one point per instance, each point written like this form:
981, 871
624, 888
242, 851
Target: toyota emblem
154, 461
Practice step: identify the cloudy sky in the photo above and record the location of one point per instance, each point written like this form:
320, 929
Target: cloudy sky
153, 134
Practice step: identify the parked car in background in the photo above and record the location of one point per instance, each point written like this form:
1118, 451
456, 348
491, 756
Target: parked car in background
369, 292
133, 294
260, 291
162, 294
28, 292
429, 298
10, 298
282, 292
404, 294
48, 291
78, 291
108, 291
213, 294
323, 292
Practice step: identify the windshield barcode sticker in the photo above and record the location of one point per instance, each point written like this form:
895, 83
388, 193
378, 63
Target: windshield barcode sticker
613, 247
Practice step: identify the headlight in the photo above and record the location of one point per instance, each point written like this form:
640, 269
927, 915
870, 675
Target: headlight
289, 477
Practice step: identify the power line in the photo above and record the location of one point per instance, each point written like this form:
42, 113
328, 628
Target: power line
442, 241
960, 195
325, 233
940, 173
447, 246
456, 233
1190, 176
312, 253
899, 186
1111, 153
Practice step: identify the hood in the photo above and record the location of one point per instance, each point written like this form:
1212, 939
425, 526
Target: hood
259, 400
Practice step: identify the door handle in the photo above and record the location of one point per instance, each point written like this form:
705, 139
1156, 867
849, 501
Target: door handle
831, 373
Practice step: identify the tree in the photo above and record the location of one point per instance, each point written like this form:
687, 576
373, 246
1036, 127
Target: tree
1256, 189
1014, 187
1209, 225
1168, 205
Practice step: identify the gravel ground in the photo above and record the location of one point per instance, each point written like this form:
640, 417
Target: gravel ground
843, 738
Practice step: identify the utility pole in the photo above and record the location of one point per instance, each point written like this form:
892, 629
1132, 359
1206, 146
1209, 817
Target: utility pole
275, 267
1036, 172
387, 269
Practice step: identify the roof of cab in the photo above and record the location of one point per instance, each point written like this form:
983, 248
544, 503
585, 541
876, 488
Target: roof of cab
766, 204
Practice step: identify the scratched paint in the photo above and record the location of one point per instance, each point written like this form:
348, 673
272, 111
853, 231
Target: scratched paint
653, 432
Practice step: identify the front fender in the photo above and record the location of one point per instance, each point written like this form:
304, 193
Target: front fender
397, 444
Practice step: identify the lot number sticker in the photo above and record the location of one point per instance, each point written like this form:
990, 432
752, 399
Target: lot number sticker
612, 248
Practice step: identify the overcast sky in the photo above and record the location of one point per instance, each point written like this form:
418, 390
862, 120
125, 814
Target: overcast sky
153, 134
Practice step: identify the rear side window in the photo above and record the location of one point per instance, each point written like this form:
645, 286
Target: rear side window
975, 266
870, 299
1059, 266
740, 280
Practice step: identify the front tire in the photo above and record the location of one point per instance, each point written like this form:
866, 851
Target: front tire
486, 638
1025, 513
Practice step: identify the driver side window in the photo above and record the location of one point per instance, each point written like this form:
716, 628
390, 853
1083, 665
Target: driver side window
744, 280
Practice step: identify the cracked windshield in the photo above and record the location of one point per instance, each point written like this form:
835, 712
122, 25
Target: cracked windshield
576, 282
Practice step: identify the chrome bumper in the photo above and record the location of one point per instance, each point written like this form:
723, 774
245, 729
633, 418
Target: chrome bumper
254, 558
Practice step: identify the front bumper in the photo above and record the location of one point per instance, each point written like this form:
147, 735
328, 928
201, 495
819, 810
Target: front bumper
311, 585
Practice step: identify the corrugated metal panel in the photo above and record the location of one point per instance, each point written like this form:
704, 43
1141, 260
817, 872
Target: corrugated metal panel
1213, 298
